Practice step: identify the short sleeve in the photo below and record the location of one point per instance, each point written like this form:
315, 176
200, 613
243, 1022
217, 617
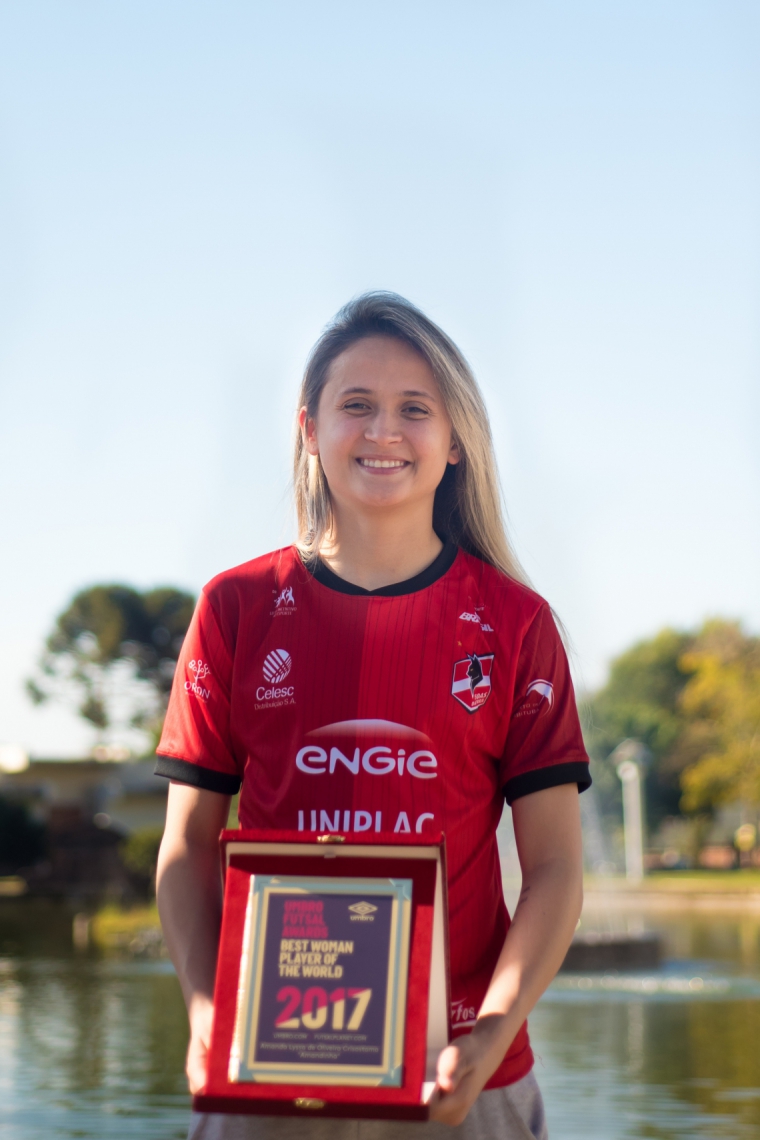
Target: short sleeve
544, 745
195, 746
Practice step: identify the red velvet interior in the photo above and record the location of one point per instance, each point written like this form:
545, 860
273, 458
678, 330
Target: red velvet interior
221, 1095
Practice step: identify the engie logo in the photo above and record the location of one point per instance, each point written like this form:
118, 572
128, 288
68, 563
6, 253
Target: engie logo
471, 682
200, 671
276, 667
353, 747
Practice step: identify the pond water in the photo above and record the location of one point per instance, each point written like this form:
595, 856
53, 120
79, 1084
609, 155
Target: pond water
93, 1048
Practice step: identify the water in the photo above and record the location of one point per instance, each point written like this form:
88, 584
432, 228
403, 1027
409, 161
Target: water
94, 1048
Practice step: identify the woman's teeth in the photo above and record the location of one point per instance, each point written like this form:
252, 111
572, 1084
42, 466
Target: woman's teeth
382, 462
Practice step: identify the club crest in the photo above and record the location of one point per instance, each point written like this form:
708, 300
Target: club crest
471, 682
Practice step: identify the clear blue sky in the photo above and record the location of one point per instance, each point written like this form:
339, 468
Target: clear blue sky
188, 191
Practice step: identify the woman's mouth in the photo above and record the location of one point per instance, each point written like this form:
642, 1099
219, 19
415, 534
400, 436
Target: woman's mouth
387, 464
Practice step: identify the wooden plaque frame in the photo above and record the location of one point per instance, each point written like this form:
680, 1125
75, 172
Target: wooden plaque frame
425, 1018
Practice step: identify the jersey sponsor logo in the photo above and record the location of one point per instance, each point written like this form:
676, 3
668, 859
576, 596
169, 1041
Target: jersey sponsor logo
348, 819
200, 671
471, 682
536, 693
285, 603
378, 760
377, 747
545, 690
462, 1014
277, 665
474, 617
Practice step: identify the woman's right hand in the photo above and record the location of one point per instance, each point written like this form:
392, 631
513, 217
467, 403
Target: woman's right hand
196, 1064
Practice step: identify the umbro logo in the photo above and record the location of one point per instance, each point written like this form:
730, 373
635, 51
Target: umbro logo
363, 908
362, 912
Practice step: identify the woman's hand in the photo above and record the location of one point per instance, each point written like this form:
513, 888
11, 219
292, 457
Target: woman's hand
548, 835
196, 1064
465, 1066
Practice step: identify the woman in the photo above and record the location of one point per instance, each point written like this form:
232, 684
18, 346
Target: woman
392, 673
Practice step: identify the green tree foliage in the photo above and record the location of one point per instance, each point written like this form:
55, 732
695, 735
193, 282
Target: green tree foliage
694, 700
140, 850
114, 646
641, 700
720, 745
22, 838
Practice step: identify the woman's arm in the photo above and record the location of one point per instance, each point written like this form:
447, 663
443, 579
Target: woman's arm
548, 834
189, 894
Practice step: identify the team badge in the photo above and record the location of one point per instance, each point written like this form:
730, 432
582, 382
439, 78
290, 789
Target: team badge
471, 683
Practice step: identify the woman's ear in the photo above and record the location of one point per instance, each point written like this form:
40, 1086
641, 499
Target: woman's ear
308, 431
454, 453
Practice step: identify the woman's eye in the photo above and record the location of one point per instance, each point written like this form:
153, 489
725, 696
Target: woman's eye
415, 410
356, 406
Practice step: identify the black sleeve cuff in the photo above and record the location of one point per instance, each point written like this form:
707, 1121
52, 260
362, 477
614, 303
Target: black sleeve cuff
207, 778
576, 772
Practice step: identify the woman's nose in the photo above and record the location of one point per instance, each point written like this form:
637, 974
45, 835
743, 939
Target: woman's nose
383, 428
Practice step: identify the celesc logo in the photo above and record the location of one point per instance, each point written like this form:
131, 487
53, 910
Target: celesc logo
276, 668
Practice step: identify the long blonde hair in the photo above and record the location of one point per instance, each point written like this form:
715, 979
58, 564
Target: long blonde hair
468, 506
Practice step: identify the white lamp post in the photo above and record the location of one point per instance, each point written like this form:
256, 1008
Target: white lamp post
630, 756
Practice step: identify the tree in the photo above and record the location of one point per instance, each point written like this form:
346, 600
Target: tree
140, 851
694, 700
112, 654
720, 744
22, 838
641, 700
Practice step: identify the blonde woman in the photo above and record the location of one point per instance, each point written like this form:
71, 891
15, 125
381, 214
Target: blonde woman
400, 627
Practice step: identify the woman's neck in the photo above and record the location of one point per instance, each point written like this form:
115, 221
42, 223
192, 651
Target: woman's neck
376, 552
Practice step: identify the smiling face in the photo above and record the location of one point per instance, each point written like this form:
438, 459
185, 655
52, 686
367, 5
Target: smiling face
381, 429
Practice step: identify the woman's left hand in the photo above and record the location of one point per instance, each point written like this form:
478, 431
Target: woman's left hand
465, 1066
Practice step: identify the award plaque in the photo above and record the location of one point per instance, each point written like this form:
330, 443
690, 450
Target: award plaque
331, 993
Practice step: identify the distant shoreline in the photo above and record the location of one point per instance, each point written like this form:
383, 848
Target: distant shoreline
676, 890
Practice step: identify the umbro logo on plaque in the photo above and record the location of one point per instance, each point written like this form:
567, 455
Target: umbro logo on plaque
471, 682
362, 912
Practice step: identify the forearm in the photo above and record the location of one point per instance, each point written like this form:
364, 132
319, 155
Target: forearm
189, 895
536, 943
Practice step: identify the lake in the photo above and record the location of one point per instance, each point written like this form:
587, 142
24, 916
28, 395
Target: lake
94, 1048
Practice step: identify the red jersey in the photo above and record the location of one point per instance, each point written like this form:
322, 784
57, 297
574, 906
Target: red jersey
412, 709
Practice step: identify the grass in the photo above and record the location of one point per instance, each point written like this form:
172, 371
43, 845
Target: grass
137, 930
742, 881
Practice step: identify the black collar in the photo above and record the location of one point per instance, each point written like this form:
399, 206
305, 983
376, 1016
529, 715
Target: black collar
437, 568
